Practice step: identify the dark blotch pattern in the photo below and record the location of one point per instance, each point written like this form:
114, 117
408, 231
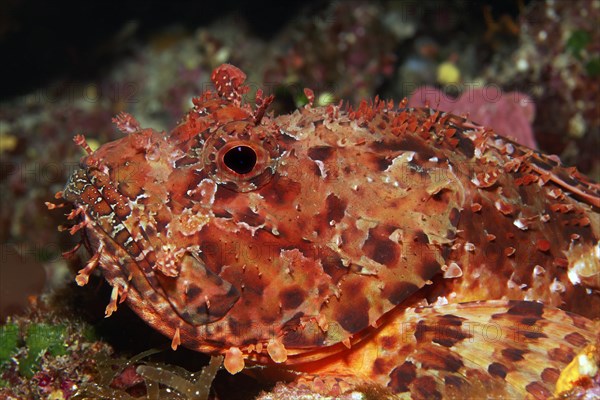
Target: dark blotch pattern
449, 337
442, 333
426, 387
381, 163
534, 334
412, 143
162, 219
333, 266
387, 146
498, 369
396, 292
450, 319
538, 390
561, 354
454, 216
220, 304
428, 267
421, 237
353, 316
439, 358
250, 217
529, 321
292, 297
576, 339
466, 145
379, 366
193, 291
389, 342
222, 214
378, 247
402, 376
224, 195
527, 309
513, 355
550, 375
335, 207
320, 153
455, 381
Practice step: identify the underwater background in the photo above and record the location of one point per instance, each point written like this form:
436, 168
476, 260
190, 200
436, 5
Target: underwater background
530, 69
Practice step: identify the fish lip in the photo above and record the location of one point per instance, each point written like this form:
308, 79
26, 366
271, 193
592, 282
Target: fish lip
76, 185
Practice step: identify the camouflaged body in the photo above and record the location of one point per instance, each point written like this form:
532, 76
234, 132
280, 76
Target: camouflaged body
348, 218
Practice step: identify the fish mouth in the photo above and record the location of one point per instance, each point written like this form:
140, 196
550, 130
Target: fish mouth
129, 262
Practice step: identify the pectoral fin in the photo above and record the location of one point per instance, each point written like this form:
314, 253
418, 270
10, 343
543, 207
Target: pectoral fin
498, 349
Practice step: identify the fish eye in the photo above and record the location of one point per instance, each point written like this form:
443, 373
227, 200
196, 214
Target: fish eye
241, 156
240, 159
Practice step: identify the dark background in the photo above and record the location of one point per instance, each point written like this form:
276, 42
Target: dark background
41, 41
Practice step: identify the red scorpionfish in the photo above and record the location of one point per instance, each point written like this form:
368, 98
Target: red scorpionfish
408, 249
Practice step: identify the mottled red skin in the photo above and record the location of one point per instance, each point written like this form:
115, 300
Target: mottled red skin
347, 218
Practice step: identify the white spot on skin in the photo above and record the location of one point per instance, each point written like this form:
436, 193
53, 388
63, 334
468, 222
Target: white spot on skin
521, 224
252, 229
189, 222
538, 270
207, 188
396, 236
514, 285
557, 287
400, 161
321, 166
573, 275
452, 271
511, 284
440, 301
286, 133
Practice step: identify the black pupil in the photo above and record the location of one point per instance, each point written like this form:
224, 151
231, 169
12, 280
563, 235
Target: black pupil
240, 159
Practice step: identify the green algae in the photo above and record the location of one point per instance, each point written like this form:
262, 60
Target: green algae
578, 41
592, 67
9, 341
9, 345
40, 339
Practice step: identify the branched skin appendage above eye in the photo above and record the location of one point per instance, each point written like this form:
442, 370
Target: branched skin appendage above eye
325, 234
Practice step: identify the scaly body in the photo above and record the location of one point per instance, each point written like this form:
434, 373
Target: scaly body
313, 240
